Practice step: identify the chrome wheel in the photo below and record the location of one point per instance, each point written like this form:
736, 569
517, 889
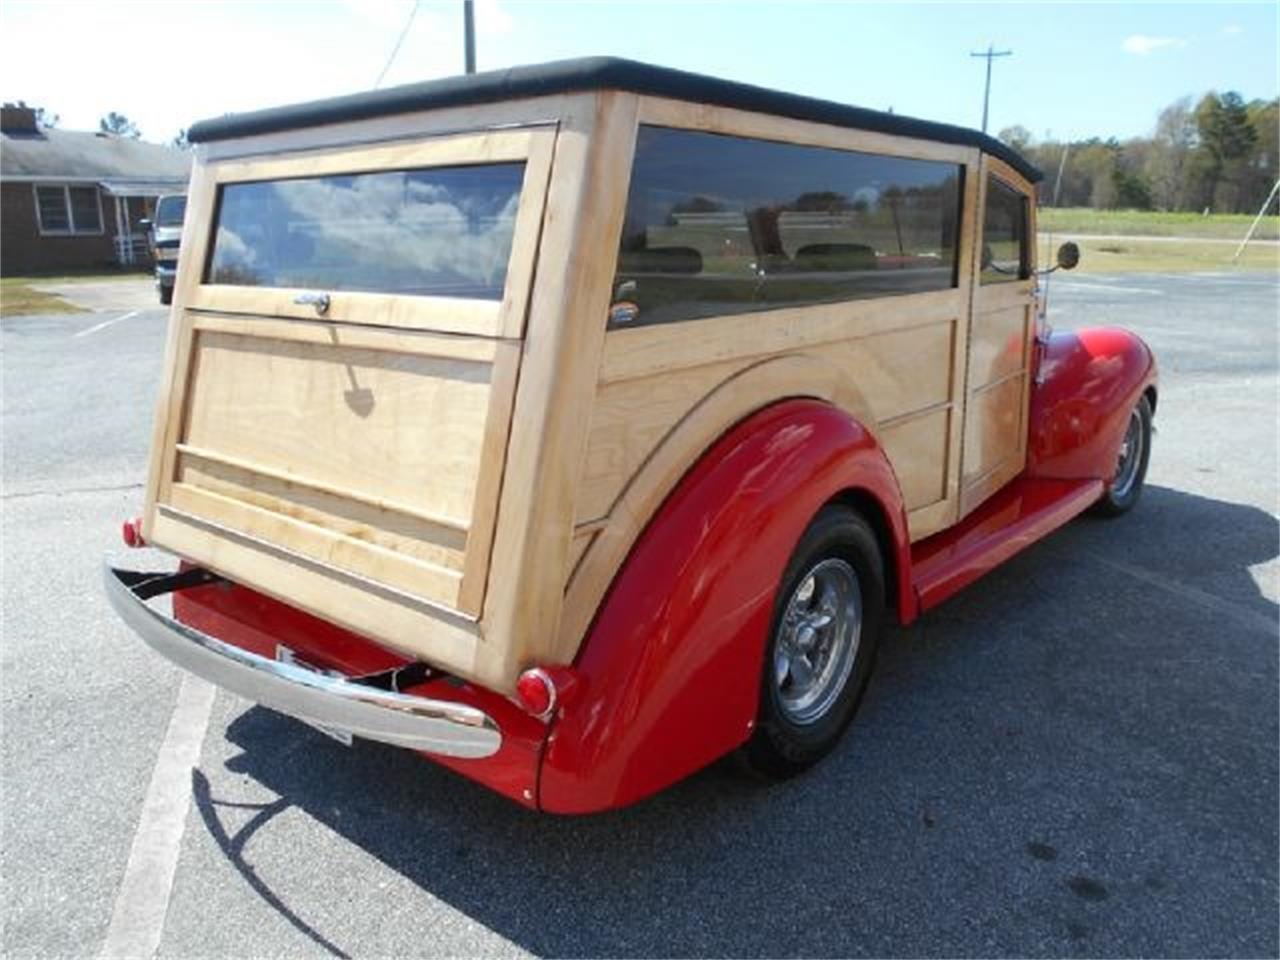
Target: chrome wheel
817, 641
1130, 457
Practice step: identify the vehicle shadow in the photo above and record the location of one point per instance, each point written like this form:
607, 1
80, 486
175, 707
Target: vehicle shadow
1054, 762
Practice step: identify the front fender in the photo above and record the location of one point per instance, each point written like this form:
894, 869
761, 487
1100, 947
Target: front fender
669, 673
1088, 382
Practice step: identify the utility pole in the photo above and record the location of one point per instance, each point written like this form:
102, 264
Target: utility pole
469, 33
989, 55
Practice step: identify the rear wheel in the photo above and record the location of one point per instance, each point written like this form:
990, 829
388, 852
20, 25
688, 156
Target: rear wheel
1131, 466
826, 627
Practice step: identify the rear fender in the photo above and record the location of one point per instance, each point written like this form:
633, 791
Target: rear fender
1088, 382
670, 670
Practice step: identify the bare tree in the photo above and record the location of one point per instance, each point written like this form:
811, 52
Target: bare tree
1166, 163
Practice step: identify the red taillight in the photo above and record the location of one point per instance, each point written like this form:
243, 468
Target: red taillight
542, 690
131, 531
536, 692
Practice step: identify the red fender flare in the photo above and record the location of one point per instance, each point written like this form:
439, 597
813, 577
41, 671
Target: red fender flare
1088, 381
669, 673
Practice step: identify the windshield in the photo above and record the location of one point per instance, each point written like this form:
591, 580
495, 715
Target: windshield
170, 211
443, 231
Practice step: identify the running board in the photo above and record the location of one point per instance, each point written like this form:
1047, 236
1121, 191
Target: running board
1014, 518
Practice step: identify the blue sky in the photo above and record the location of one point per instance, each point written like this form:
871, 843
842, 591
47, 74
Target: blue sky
1078, 69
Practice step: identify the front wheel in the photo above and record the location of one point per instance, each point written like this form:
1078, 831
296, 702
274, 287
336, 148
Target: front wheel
826, 627
1131, 465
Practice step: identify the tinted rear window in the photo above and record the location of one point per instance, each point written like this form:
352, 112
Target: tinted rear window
718, 224
445, 231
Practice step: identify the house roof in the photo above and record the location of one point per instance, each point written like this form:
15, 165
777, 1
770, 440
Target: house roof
81, 155
595, 73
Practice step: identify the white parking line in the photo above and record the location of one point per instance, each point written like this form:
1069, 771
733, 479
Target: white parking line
137, 921
1108, 287
104, 324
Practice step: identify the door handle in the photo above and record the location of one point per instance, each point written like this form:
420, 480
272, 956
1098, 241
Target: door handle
318, 300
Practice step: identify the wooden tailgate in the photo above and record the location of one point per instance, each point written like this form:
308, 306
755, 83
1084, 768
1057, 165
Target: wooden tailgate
348, 463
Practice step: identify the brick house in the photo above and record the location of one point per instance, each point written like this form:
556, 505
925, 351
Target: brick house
71, 199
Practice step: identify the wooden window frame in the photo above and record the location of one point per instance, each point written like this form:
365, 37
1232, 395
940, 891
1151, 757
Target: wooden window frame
73, 230
495, 318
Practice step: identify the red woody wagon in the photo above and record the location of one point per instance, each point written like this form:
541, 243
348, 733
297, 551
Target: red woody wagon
576, 425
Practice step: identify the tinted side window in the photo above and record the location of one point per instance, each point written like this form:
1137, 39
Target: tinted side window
1005, 253
721, 225
444, 231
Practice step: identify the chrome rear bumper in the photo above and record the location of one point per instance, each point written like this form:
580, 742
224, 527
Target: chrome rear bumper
434, 726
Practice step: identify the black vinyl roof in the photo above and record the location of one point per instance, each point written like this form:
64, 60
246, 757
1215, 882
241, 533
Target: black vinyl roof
595, 73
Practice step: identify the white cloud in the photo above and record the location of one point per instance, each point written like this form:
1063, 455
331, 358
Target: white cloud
491, 18
1232, 29
1142, 45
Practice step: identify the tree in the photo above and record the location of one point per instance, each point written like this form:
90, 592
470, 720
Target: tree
180, 140
119, 125
1226, 138
1171, 145
1017, 136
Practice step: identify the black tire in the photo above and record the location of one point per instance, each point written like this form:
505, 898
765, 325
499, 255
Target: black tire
784, 743
1124, 489
166, 295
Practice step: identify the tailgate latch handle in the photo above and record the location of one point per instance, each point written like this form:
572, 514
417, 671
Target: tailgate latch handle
318, 300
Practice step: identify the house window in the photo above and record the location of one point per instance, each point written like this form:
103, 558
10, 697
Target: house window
64, 209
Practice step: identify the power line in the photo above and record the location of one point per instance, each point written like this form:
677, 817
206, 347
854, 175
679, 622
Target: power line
396, 49
989, 55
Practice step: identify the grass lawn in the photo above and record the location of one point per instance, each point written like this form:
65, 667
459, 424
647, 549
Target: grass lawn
1134, 254
1151, 223
19, 299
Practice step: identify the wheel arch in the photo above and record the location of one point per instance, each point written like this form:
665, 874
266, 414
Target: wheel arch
677, 643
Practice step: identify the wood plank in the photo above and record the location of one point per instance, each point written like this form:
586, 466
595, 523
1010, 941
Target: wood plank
448, 314
714, 119
998, 344
644, 351
395, 531
493, 452
412, 342
256, 471
531, 113
558, 372
440, 151
171, 401
917, 447
368, 561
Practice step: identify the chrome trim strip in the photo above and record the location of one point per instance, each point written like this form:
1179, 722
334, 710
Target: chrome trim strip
433, 726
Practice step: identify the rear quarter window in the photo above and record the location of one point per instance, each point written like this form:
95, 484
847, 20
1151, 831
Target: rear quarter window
719, 225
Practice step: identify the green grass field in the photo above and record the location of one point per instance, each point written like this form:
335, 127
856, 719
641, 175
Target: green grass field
1136, 255
19, 299
1150, 223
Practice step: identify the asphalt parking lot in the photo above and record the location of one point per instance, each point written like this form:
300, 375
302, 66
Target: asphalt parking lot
1076, 756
